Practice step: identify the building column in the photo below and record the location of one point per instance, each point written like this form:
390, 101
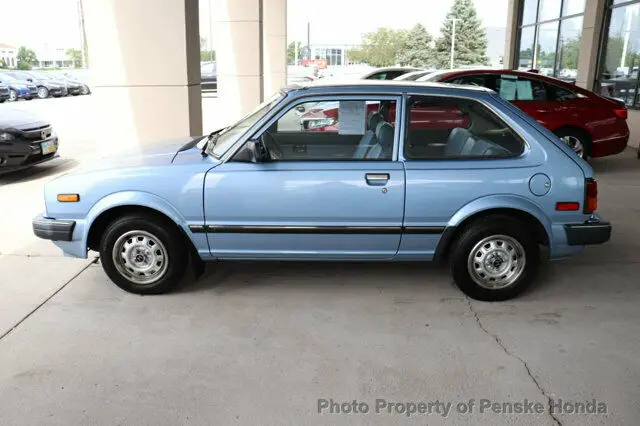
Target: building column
511, 46
590, 42
145, 71
237, 31
274, 30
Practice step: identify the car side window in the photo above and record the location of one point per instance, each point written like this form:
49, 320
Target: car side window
471, 80
441, 128
560, 94
333, 130
516, 88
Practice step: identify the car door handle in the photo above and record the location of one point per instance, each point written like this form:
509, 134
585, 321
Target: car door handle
377, 178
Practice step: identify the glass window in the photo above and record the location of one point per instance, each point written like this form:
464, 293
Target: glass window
515, 88
572, 7
227, 137
340, 130
549, 9
525, 57
447, 128
621, 61
529, 11
471, 80
546, 48
569, 48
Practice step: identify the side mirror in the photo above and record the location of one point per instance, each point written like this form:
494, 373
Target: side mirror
251, 152
30, 80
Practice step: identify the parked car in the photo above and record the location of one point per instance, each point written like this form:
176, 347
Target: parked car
388, 73
4, 92
594, 126
484, 196
78, 76
74, 87
18, 89
208, 76
25, 140
414, 75
44, 88
48, 85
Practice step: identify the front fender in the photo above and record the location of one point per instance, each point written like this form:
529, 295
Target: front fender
78, 246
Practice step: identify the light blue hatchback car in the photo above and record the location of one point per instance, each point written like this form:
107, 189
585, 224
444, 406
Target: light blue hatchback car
376, 171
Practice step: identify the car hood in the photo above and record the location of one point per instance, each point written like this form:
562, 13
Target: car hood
11, 119
160, 154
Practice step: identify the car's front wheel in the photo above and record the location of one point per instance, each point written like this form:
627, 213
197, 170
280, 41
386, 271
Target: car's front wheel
143, 254
494, 259
43, 92
85, 90
13, 95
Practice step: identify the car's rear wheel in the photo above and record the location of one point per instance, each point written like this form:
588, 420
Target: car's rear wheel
494, 259
85, 90
13, 95
143, 254
43, 92
577, 140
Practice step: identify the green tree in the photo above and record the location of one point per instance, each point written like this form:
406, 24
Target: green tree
379, 48
26, 58
416, 50
3, 64
470, 38
291, 52
75, 56
206, 54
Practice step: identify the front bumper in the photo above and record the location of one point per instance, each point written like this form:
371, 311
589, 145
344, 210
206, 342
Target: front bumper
593, 231
52, 229
21, 153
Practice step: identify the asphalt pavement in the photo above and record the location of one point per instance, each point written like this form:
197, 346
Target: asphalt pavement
298, 343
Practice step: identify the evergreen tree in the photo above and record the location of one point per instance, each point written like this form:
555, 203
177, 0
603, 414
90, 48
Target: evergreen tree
470, 38
416, 50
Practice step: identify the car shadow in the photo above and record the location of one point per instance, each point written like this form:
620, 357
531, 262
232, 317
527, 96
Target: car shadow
50, 168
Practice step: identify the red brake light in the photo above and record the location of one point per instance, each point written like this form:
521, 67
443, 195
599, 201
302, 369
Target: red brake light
621, 112
567, 206
590, 196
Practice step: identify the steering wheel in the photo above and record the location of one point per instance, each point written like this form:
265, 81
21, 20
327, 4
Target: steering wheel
272, 145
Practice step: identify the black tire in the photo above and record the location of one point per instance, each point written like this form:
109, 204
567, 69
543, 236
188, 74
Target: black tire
581, 135
170, 240
493, 227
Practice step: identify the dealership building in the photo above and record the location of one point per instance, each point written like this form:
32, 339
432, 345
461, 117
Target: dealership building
146, 72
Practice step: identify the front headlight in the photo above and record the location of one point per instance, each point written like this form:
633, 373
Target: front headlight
4, 136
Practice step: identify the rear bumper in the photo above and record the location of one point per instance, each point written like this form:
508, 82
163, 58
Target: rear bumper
52, 229
593, 231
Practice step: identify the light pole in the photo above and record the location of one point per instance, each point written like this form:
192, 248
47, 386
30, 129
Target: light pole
453, 38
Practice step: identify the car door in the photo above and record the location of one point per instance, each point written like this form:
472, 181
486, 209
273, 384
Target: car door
313, 198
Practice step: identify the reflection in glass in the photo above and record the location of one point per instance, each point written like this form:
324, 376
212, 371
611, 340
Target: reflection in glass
546, 48
525, 52
549, 9
569, 48
619, 72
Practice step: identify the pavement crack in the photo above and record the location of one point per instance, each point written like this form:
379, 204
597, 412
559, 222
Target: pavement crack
51, 296
512, 355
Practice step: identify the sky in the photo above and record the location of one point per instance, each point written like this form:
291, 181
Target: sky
55, 22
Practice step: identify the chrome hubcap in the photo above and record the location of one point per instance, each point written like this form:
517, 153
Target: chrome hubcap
140, 257
13, 95
575, 144
496, 262
42, 92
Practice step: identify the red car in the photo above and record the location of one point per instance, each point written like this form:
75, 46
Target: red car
594, 126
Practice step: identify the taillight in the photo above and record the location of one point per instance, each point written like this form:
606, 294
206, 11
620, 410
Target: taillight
590, 196
621, 112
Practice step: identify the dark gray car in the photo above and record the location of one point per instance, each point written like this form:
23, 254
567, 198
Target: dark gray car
25, 140
47, 86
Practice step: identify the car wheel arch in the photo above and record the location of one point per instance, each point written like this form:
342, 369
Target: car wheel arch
574, 128
99, 225
455, 228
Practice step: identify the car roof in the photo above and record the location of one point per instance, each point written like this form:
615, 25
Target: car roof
471, 71
380, 85
386, 69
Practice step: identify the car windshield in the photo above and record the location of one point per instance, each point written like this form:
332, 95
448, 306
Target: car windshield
7, 77
230, 135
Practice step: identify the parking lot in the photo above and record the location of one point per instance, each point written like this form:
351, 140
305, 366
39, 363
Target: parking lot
262, 343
